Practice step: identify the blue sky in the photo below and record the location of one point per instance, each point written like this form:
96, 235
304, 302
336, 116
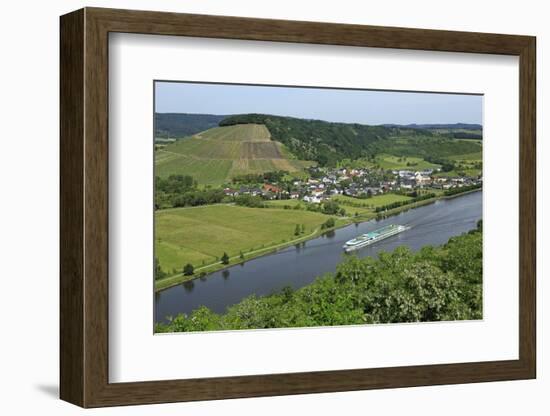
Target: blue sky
348, 106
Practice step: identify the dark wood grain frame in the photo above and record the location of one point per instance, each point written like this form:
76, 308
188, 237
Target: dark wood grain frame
84, 207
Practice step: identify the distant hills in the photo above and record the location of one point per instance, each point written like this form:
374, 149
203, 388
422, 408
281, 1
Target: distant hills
177, 125
454, 126
455, 130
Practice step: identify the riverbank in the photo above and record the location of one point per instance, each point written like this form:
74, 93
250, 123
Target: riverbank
349, 297
296, 267
417, 204
203, 271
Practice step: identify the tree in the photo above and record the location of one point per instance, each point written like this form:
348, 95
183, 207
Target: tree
480, 225
188, 269
345, 183
159, 273
250, 201
331, 207
328, 224
297, 230
225, 258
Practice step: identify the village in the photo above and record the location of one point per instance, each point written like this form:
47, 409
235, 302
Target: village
361, 183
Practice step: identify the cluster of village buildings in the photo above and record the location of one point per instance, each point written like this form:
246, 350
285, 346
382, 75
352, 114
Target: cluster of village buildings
354, 183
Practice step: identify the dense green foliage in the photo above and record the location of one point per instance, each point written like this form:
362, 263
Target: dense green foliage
314, 139
456, 191
328, 224
464, 135
159, 273
182, 191
250, 201
327, 142
446, 165
176, 125
188, 269
330, 207
434, 284
261, 177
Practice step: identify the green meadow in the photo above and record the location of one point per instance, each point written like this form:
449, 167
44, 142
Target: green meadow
200, 235
404, 162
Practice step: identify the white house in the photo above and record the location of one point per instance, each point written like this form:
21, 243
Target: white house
312, 199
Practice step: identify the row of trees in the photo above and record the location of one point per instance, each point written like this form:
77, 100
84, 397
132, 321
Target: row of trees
398, 204
299, 229
189, 269
456, 191
329, 207
446, 164
257, 178
330, 223
434, 284
251, 201
182, 191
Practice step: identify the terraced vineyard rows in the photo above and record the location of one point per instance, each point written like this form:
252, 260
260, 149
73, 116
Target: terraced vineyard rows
260, 150
214, 156
240, 132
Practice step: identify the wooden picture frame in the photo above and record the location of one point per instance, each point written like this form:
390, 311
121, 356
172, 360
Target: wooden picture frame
84, 207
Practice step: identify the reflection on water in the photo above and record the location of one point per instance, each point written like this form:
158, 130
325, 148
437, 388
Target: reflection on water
330, 234
299, 265
188, 286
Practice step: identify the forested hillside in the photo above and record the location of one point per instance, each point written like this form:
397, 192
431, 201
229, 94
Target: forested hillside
328, 142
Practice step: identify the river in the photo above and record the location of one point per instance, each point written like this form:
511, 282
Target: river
299, 265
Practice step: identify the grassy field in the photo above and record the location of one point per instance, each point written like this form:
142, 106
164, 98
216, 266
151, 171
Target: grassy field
468, 164
364, 207
458, 173
205, 172
469, 157
406, 162
216, 155
201, 235
285, 202
375, 201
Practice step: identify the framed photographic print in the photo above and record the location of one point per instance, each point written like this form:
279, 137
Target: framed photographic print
256, 207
